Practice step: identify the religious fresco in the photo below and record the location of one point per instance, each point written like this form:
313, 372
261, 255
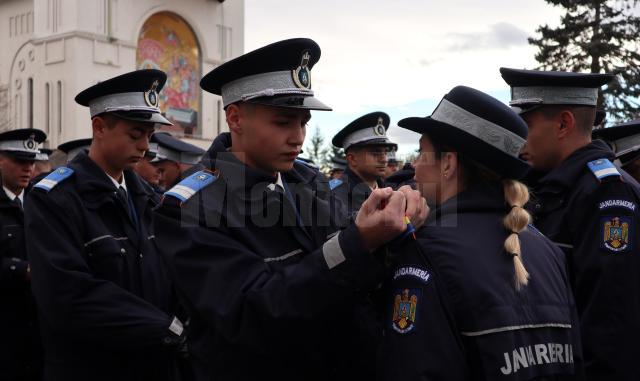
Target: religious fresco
167, 42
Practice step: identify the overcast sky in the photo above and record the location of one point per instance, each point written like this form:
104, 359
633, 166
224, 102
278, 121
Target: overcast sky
401, 56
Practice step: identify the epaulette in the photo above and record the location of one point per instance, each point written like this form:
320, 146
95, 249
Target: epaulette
54, 178
603, 168
334, 183
191, 185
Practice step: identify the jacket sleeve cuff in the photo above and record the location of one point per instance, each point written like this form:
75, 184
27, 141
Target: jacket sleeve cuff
348, 258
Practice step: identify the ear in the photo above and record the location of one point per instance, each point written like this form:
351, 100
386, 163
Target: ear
352, 159
234, 116
449, 165
567, 124
98, 125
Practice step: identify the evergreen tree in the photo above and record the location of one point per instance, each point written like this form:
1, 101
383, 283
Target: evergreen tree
316, 150
597, 36
336, 152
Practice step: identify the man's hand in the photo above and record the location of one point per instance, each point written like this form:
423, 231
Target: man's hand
381, 217
417, 208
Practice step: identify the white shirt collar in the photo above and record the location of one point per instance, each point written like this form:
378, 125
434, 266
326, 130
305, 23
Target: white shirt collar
12, 196
117, 184
277, 183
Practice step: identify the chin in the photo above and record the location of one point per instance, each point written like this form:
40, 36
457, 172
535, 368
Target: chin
284, 167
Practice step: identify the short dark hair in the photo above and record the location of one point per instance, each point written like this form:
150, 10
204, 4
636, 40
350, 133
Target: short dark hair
585, 116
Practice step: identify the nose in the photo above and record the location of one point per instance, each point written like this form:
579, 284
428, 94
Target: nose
27, 167
296, 137
143, 144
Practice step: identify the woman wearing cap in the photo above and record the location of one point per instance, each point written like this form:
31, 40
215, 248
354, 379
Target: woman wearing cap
478, 294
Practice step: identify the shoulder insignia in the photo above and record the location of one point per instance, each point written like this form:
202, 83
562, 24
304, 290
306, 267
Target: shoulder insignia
334, 183
603, 168
56, 176
186, 188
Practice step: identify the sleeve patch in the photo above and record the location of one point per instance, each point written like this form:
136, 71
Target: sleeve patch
405, 309
186, 188
616, 235
54, 178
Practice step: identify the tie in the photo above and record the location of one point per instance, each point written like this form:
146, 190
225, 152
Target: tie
17, 202
122, 195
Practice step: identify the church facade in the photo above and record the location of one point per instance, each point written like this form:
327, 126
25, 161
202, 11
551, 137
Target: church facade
52, 49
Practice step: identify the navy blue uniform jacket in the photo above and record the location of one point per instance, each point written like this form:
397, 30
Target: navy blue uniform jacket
105, 299
584, 215
453, 312
271, 292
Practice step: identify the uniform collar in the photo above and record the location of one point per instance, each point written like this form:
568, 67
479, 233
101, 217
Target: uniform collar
567, 173
354, 179
93, 181
277, 183
122, 183
12, 196
479, 198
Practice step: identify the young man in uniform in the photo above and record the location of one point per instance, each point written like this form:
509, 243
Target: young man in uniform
20, 353
366, 146
589, 207
270, 280
106, 303
147, 171
174, 157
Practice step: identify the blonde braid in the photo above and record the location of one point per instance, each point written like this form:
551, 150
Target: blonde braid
516, 195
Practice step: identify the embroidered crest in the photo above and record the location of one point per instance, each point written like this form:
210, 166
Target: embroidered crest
302, 75
151, 95
405, 309
379, 128
30, 143
615, 233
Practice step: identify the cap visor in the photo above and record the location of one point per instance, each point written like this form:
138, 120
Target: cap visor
292, 101
20, 155
144, 117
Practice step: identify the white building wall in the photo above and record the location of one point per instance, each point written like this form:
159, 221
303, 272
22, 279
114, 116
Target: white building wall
72, 44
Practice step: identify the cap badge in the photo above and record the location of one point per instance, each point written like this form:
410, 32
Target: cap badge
30, 143
151, 95
301, 75
379, 128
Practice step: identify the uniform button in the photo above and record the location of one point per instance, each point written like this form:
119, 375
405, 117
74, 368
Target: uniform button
167, 340
9, 235
141, 255
12, 267
123, 251
538, 206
